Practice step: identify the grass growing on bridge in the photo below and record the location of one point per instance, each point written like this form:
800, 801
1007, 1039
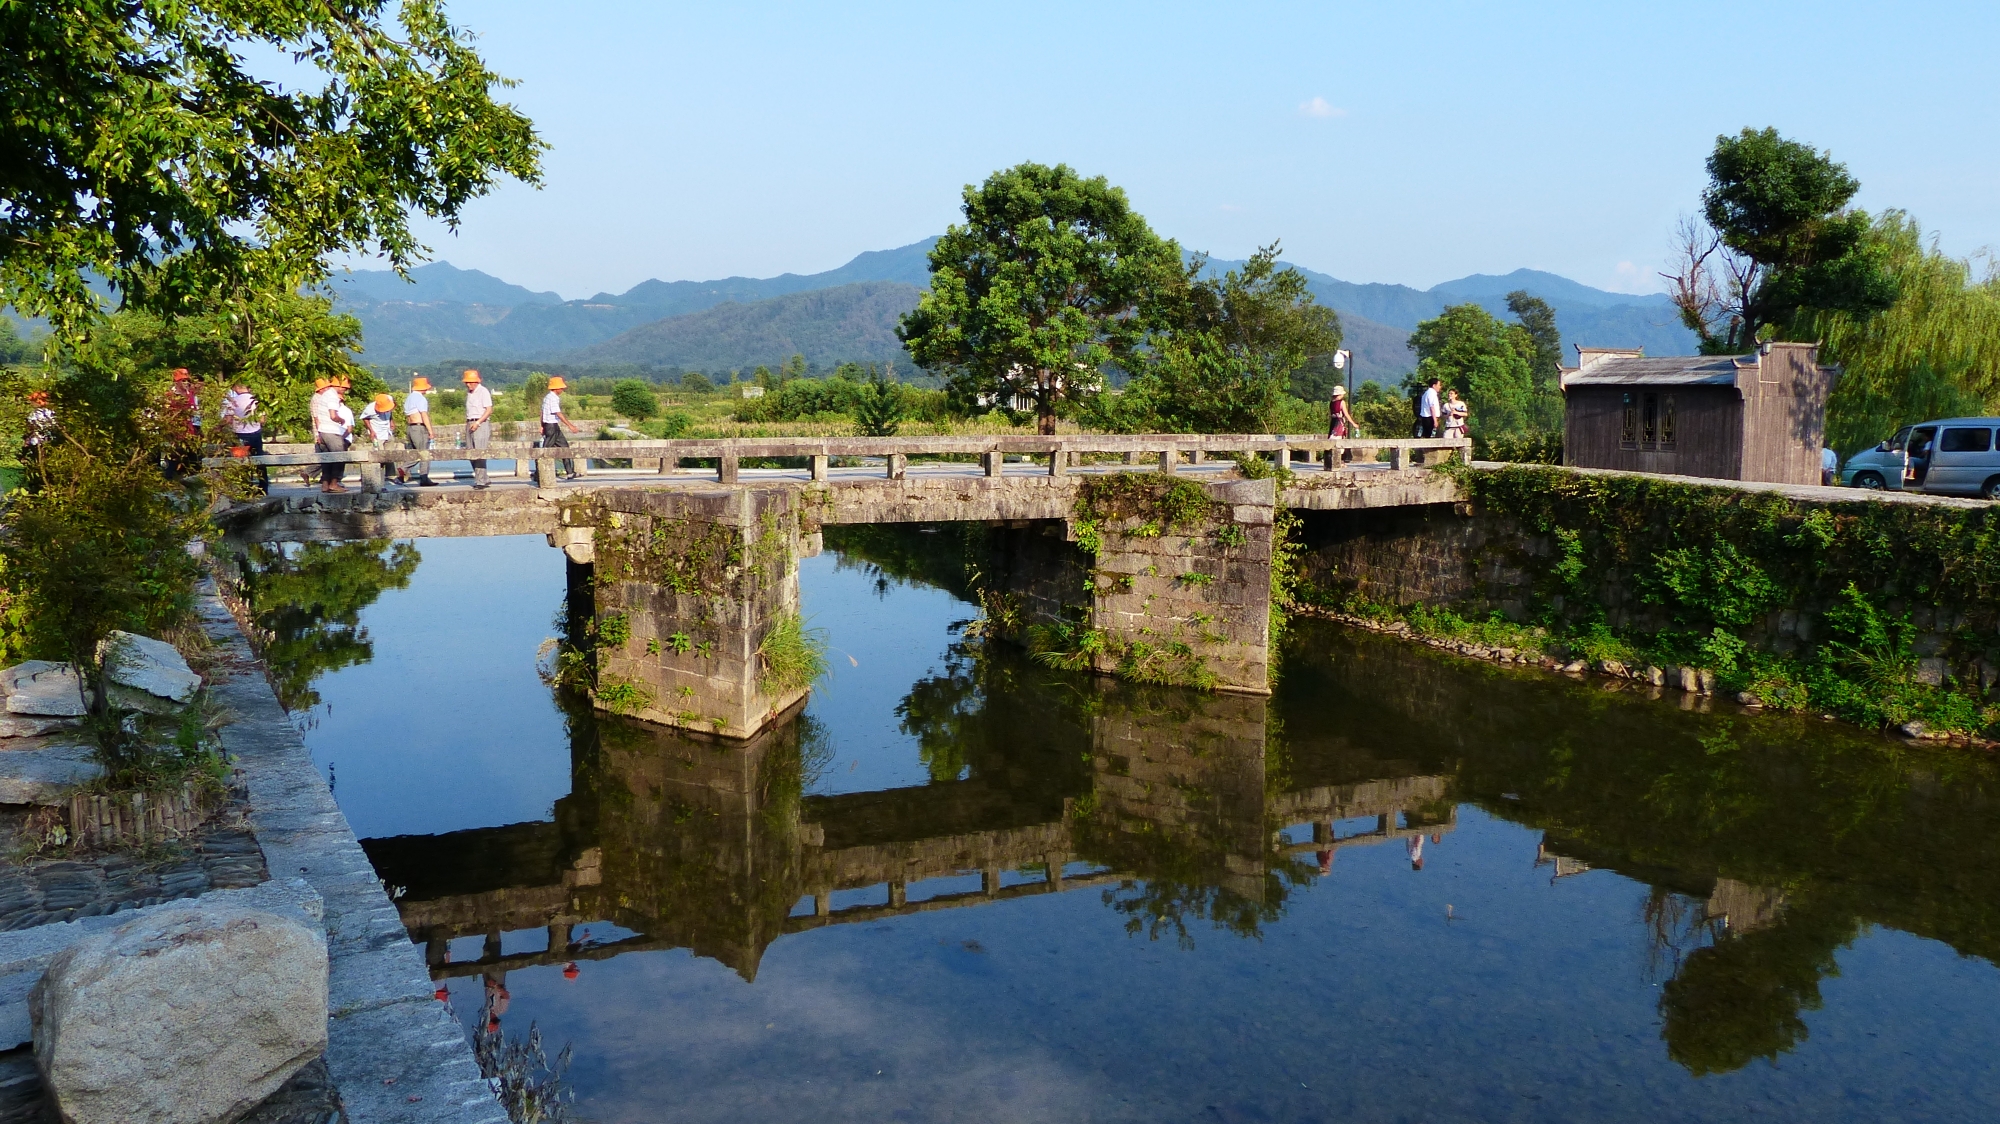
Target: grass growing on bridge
792, 656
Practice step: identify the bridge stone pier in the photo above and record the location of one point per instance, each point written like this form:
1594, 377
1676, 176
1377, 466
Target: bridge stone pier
1157, 574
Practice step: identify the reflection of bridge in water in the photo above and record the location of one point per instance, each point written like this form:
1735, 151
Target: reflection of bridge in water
708, 845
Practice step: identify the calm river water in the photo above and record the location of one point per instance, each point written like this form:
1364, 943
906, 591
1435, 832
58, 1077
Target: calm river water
1407, 888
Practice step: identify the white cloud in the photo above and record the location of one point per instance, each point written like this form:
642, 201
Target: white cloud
1631, 278
1319, 107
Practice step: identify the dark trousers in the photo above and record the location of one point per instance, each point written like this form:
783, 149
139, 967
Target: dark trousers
554, 438
1427, 427
255, 443
331, 443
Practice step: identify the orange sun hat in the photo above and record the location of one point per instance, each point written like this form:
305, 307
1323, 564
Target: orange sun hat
469, 377
384, 403
420, 384
557, 383
321, 384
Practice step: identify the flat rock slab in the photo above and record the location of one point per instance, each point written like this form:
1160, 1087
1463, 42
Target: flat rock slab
53, 691
44, 774
30, 726
153, 666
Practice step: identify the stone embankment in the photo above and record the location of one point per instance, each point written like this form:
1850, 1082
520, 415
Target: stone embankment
254, 964
1695, 683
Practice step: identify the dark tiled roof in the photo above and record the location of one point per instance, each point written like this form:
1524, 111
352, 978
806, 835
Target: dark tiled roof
1679, 370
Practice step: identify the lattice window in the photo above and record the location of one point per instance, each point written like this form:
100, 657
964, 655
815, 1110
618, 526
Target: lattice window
1649, 421
1630, 435
1669, 433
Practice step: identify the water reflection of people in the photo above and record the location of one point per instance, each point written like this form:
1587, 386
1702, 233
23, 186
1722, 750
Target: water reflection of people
1416, 849
497, 1000
1325, 861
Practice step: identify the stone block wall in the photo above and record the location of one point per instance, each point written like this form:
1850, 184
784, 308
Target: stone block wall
1477, 562
689, 584
1203, 587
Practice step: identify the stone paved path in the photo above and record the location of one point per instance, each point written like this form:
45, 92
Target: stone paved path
222, 856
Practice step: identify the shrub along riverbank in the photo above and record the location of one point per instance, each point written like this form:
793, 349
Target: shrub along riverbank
1883, 614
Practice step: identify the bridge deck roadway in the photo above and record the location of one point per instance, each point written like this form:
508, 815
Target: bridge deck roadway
927, 491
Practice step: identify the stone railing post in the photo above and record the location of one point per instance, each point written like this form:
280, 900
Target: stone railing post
1398, 458
898, 464
992, 459
725, 468
819, 463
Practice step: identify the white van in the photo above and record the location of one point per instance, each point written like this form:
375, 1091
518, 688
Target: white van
1951, 456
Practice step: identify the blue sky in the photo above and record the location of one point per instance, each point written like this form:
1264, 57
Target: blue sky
1409, 142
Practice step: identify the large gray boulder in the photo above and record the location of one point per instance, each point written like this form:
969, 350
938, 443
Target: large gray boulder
184, 1016
148, 665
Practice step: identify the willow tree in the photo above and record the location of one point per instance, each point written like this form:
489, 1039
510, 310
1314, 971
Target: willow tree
1934, 353
1037, 290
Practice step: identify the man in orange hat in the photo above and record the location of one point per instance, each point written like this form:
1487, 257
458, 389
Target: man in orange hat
184, 404
417, 427
332, 423
553, 421
478, 422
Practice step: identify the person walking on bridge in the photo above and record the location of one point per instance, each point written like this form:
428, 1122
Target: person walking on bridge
553, 423
241, 410
478, 422
332, 422
1339, 421
417, 425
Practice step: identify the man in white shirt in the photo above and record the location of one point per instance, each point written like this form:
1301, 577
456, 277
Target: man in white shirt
331, 420
478, 422
417, 425
1829, 466
553, 423
1430, 410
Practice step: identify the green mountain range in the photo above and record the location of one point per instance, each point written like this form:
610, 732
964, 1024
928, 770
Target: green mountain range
447, 314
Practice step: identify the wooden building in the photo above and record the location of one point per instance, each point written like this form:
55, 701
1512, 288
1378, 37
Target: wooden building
1734, 417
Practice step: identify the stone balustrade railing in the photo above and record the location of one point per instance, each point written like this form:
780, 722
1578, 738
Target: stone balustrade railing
1166, 450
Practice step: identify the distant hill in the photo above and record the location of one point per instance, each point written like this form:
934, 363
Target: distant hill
447, 312
855, 321
450, 313
1586, 316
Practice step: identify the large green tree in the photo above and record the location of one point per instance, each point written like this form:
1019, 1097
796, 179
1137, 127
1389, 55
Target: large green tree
1492, 363
1777, 243
1539, 321
1037, 290
1224, 349
177, 148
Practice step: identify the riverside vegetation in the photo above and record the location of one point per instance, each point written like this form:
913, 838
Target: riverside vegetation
1879, 614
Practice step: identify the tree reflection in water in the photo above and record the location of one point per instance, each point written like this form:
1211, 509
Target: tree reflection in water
1767, 844
305, 602
1785, 837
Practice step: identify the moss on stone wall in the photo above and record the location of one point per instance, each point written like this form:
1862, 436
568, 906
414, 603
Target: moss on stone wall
1879, 612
